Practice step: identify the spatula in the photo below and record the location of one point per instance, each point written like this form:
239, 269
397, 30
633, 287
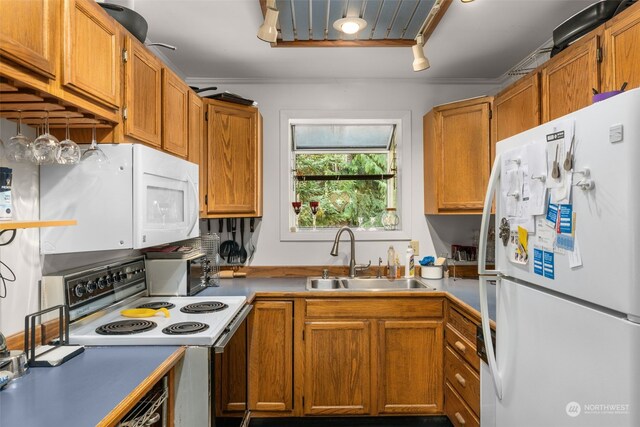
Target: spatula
242, 257
227, 245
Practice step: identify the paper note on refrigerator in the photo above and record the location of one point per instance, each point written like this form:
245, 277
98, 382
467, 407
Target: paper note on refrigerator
575, 259
536, 177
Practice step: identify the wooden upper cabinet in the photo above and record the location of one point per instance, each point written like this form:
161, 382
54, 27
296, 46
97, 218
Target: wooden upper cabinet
516, 109
91, 59
457, 156
143, 94
197, 152
622, 50
337, 368
410, 353
569, 77
271, 356
175, 114
27, 34
234, 160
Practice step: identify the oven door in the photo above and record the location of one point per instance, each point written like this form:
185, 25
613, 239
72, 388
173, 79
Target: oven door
219, 348
165, 198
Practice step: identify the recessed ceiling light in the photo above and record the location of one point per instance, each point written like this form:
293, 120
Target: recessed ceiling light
350, 25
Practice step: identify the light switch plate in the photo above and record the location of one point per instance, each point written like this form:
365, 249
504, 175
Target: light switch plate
615, 133
415, 244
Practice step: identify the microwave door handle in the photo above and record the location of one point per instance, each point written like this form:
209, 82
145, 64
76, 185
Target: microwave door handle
194, 210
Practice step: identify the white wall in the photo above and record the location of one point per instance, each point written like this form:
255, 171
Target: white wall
22, 255
357, 95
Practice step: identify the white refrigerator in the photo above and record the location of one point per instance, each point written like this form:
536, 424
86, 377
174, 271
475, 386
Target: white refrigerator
567, 200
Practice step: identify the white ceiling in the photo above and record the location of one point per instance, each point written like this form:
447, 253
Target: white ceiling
480, 40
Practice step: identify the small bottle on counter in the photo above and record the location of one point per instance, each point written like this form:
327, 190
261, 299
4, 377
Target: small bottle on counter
397, 267
391, 262
409, 267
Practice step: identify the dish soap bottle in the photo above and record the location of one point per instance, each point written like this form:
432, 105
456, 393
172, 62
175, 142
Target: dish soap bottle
409, 267
391, 262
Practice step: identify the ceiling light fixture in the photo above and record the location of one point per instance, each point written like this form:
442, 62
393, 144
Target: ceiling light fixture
350, 25
268, 31
420, 62
466, 1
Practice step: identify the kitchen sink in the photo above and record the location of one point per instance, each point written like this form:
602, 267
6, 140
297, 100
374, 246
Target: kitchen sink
364, 284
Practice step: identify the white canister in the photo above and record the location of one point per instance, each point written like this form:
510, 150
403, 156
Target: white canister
431, 271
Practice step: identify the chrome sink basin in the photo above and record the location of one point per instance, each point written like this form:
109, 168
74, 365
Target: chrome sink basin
364, 284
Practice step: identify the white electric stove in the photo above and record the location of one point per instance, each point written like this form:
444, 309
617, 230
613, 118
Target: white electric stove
191, 321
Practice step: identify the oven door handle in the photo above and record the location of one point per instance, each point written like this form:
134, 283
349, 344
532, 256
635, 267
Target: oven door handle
230, 330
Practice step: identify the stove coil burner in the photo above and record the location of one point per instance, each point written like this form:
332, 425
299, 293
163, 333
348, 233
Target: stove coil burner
185, 328
204, 307
157, 305
126, 327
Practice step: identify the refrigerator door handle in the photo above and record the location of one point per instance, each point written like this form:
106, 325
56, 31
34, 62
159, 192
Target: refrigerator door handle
486, 218
486, 330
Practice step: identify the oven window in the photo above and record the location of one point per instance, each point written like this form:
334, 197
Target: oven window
164, 205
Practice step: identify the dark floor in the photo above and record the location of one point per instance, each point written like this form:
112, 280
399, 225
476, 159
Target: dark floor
440, 421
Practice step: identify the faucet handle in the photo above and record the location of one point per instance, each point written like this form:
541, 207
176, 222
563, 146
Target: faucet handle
325, 273
362, 267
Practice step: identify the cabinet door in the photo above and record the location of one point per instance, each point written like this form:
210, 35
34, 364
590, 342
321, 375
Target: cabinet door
234, 160
568, 79
410, 367
196, 144
337, 368
622, 50
91, 52
271, 356
143, 89
463, 152
516, 109
27, 34
175, 114
233, 374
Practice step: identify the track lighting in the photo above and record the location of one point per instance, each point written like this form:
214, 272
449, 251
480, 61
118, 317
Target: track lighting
420, 62
268, 31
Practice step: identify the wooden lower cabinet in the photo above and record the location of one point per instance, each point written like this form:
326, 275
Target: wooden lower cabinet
232, 375
337, 367
410, 367
271, 356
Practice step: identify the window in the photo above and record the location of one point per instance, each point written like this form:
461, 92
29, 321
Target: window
346, 170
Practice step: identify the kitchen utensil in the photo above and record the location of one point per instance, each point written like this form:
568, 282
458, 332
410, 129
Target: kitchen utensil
234, 254
568, 161
129, 19
230, 274
227, 245
252, 247
144, 312
242, 256
555, 169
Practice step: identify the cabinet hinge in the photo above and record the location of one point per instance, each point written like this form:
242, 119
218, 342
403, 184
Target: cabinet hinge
206, 116
599, 54
206, 199
303, 335
490, 114
303, 401
125, 113
125, 55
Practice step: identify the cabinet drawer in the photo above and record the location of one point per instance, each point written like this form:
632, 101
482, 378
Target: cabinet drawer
375, 308
465, 348
463, 379
462, 324
459, 414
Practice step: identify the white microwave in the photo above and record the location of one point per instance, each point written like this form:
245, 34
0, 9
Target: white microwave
142, 197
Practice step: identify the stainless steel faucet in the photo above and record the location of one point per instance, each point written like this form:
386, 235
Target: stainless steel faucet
352, 262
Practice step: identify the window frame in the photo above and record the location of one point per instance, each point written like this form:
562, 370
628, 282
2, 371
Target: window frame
401, 119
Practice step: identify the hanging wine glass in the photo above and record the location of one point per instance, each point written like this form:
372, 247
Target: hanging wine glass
94, 154
46, 147
69, 150
314, 211
360, 224
297, 207
19, 148
372, 223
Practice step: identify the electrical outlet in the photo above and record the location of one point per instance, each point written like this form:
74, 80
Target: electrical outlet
415, 244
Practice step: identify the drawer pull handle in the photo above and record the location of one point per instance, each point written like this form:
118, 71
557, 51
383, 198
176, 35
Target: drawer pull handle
461, 380
460, 346
460, 418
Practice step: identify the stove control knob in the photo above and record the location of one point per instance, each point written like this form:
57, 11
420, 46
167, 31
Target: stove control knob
109, 279
91, 286
79, 290
118, 277
102, 282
